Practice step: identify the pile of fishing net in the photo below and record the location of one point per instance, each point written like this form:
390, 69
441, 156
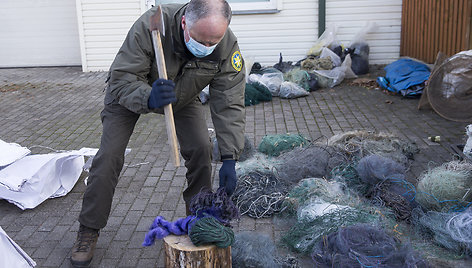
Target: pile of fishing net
259, 194
451, 230
363, 245
306, 233
306, 162
304, 79
396, 194
253, 249
263, 182
357, 144
313, 63
382, 180
295, 159
259, 162
312, 195
268, 77
447, 187
208, 224
321, 208
256, 93
291, 90
274, 145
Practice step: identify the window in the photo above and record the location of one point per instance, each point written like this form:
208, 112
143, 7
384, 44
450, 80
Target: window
254, 6
243, 6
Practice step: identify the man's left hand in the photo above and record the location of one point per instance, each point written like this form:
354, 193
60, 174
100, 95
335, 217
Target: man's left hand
228, 176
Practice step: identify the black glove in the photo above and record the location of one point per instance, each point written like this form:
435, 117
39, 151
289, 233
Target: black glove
228, 176
162, 93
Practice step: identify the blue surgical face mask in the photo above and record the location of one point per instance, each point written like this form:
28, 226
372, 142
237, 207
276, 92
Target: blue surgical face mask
197, 49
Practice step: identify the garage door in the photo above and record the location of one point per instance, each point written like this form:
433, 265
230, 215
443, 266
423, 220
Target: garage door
38, 33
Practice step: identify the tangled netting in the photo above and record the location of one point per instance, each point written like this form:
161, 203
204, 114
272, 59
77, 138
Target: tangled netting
315, 189
256, 93
358, 144
312, 63
447, 187
210, 213
373, 169
303, 236
307, 162
396, 194
217, 204
258, 163
274, 145
256, 250
209, 230
259, 194
451, 230
302, 78
382, 180
363, 245
253, 249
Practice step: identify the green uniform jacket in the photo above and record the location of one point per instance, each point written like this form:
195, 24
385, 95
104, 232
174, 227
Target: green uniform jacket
134, 70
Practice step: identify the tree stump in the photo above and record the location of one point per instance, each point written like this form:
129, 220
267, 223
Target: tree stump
180, 252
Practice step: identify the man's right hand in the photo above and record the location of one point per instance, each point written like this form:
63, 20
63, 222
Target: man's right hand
162, 93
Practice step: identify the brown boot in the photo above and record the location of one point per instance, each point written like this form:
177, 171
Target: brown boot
84, 246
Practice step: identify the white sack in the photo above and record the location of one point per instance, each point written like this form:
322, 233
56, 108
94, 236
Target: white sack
35, 178
11, 254
10, 152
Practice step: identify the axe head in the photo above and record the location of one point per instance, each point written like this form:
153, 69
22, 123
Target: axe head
157, 22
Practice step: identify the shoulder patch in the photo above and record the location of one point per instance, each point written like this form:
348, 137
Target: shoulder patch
237, 61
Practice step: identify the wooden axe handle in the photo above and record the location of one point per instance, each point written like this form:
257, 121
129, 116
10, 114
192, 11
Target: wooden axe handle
168, 114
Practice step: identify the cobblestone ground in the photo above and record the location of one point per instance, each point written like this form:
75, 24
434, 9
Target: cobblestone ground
59, 108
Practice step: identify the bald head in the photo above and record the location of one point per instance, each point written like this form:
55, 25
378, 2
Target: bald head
206, 21
201, 9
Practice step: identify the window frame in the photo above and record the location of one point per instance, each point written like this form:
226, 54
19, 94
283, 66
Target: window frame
257, 7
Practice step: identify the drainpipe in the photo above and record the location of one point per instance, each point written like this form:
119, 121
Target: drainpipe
321, 17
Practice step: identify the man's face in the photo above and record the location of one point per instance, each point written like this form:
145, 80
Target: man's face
207, 31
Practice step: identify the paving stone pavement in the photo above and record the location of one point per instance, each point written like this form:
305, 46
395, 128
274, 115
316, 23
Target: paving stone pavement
58, 108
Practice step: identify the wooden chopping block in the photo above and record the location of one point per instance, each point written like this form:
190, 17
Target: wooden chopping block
181, 252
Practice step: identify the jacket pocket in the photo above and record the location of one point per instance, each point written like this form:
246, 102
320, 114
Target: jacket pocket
195, 76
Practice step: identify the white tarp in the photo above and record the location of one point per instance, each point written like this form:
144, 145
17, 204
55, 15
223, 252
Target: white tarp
11, 254
34, 178
10, 152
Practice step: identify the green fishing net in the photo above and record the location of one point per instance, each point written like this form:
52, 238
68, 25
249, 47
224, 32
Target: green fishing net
256, 93
311, 189
259, 162
313, 63
299, 77
358, 144
303, 236
274, 145
446, 188
308, 162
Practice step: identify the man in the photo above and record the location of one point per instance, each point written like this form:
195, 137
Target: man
199, 50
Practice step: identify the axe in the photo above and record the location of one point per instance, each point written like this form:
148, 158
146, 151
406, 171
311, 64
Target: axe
157, 28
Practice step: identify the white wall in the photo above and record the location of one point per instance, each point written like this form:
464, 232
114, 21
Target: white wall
292, 31
351, 15
103, 25
38, 33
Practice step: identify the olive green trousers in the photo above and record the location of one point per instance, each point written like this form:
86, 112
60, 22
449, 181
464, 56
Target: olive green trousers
118, 125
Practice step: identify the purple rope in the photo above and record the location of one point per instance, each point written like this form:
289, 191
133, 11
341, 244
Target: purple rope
161, 228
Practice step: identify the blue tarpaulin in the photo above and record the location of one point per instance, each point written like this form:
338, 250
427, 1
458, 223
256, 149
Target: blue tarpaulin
404, 75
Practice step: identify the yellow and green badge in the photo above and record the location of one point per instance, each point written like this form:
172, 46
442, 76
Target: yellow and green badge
237, 61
